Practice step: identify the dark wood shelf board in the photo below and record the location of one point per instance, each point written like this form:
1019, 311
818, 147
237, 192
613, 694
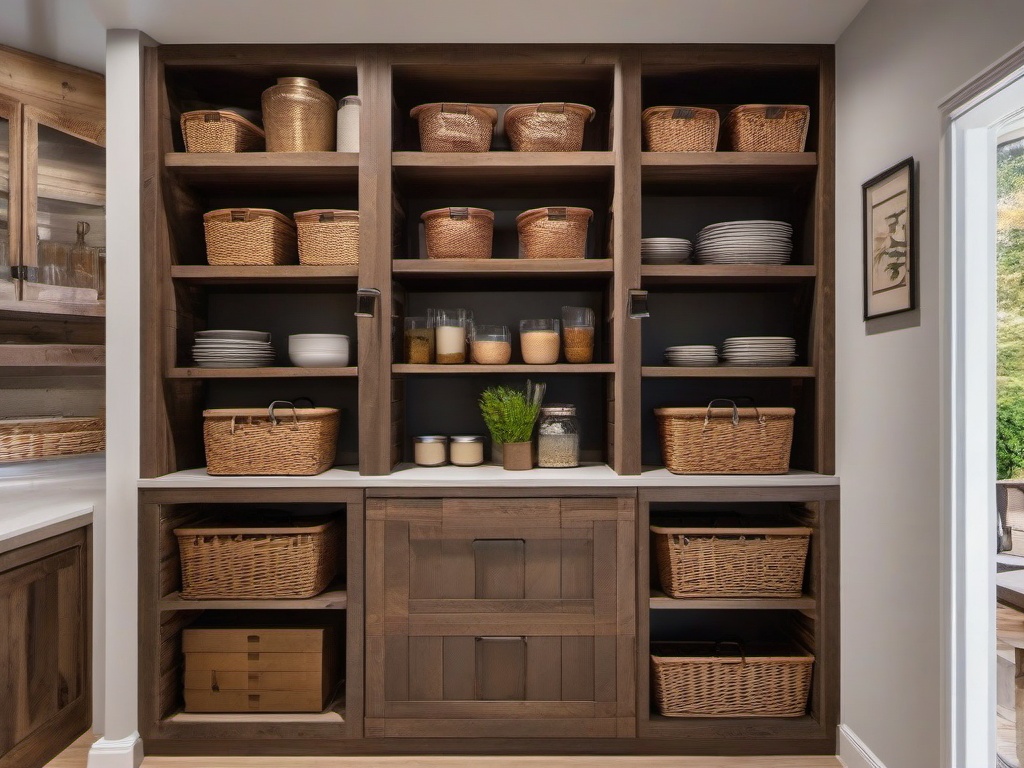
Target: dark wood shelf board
472, 368
261, 373
51, 359
661, 601
728, 167
290, 274
803, 727
502, 268
728, 372
500, 170
726, 274
333, 599
292, 169
13, 308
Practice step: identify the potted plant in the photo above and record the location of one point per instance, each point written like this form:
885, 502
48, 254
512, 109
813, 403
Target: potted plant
510, 415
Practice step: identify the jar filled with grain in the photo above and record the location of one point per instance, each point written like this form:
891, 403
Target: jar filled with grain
466, 450
451, 333
578, 334
539, 341
491, 345
430, 450
558, 437
419, 341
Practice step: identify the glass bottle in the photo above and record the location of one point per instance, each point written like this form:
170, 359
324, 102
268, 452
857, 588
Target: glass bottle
558, 437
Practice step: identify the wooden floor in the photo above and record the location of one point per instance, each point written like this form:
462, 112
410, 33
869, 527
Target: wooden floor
75, 756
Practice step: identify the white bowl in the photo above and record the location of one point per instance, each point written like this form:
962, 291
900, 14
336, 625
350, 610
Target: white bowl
308, 359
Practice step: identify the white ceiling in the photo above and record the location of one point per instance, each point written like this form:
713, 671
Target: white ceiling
73, 30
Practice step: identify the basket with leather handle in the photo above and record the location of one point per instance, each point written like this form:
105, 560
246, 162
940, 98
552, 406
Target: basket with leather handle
680, 129
455, 127
249, 237
279, 440
458, 233
220, 130
328, 237
768, 127
553, 233
547, 127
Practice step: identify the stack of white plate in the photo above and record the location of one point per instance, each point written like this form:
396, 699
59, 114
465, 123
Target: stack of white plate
665, 250
745, 242
318, 350
692, 355
759, 350
233, 349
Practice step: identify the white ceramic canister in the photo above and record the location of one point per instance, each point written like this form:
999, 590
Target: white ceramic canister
348, 124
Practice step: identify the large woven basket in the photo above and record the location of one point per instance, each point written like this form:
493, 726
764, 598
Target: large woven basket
731, 562
254, 562
328, 237
553, 233
680, 129
726, 441
547, 127
695, 679
42, 438
249, 237
455, 127
280, 440
459, 233
211, 130
299, 117
768, 128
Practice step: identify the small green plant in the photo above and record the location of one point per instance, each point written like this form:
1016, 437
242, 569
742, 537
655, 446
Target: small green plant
510, 413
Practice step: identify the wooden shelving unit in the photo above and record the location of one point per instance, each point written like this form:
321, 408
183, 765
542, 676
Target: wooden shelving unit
473, 368
332, 599
261, 373
203, 274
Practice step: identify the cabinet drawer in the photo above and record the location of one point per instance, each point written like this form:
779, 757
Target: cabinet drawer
255, 640
245, 701
238, 680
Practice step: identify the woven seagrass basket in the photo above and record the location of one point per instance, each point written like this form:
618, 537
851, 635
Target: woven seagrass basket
279, 440
459, 233
249, 237
680, 129
553, 233
547, 127
42, 438
696, 679
455, 127
328, 237
731, 562
726, 441
768, 128
254, 562
212, 130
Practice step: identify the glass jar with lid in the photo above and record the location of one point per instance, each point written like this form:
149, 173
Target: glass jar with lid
558, 437
466, 450
430, 450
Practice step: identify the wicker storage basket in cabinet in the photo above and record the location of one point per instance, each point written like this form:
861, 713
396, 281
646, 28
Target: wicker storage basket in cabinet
768, 128
731, 562
726, 441
455, 127
548, 127
458, 233
681, 129
694, 679
279, 440
210, 130
553, 233
42, 438
254, 562
328, 237
260, 669
256, 237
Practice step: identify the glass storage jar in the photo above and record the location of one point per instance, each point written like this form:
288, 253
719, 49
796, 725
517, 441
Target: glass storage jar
466, 450
430, 450
451, 332
491, 345
419, 341
578, 334
539, 342
558, 437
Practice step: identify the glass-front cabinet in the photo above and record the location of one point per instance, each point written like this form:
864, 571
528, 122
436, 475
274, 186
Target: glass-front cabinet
9, 215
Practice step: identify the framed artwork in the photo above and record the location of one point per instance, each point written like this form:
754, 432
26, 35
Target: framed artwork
890, 242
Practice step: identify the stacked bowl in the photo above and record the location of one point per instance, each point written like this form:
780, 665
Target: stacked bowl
665, 250
318, 350
233, 349
692, 355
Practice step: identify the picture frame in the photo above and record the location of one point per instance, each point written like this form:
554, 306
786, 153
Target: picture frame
890, 241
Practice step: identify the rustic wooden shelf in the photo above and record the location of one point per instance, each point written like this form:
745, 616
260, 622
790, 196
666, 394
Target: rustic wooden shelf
223, 169
503, 168
728, 372
661, 601
285, 372
509, 368
725, 274
496, 268
203, 274
333, 599
51, 359
732, 167
659, 726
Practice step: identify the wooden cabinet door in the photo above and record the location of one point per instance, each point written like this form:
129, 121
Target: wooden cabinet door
500, 617
44, 648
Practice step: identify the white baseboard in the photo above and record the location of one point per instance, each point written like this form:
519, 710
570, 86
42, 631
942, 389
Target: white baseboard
116, 753
853, 752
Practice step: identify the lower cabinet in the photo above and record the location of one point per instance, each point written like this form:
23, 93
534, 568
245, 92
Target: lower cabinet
44, 648
500, 617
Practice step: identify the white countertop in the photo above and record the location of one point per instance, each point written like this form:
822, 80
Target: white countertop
490, 476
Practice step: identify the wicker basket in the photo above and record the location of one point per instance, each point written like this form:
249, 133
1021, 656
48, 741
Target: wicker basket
726, 441
254, 562
299, 117
768, 128
455, 127
211, 130
731, 562
680, 129
694, 679
548, 127
249, 237
459, 233
328, 237
262, 441
42, 438
553, 233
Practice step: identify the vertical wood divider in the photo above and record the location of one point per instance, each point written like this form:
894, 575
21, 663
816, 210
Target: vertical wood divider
626, 242
375, 213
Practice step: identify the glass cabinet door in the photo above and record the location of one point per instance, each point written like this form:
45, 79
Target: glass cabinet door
9, 209
64, 254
